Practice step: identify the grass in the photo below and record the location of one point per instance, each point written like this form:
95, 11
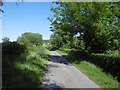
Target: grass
96, 74
34, 69
21, 70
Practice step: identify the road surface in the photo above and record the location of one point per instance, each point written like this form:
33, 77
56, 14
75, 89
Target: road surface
61, 74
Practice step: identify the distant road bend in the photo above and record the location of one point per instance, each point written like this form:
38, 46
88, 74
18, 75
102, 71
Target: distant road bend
60, 74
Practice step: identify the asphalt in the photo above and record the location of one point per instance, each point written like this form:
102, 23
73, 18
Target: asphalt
61, 74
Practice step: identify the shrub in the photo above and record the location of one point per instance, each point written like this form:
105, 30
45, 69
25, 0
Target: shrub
13, 51
30, 39
109, 64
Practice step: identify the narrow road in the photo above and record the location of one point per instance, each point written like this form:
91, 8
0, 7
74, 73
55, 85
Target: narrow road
61, 74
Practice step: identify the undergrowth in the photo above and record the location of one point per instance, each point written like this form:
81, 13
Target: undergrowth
23, 67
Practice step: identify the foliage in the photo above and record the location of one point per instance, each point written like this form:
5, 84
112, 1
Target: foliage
29, 39
13, 51
5, 39
46, 41
91, 31
95, 22
112, 53
56, 42
22, 66
40, 51
108, 63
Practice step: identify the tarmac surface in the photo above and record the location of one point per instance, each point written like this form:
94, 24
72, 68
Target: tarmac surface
61, 74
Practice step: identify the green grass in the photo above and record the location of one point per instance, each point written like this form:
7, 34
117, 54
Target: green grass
96, 74
34, 69
23, 69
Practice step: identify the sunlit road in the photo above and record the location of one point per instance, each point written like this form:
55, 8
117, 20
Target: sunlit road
60, 74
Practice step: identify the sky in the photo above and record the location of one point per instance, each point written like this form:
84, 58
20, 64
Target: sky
26, 17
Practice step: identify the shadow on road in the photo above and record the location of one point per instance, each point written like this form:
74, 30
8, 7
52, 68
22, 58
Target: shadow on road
108, 64
58, 59
53, 86
59, 75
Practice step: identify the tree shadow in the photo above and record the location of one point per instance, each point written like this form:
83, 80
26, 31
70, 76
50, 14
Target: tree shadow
58, 59
52, 86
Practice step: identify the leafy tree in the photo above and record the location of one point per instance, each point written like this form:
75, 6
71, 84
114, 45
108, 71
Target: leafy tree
29, 39
5, 39
96, 22
56, 41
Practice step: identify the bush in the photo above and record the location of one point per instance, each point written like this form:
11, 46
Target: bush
13, 51
109, 64
30, 39
112, 53
21, 69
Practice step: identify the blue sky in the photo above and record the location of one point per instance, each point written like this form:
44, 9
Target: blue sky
26, 17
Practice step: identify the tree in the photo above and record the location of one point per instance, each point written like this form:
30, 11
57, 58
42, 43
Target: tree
96, 23
5, 39
29, 39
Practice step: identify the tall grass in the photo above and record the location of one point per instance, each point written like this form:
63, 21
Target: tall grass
23, 67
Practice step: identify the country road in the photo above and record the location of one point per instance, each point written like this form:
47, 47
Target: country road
61, 74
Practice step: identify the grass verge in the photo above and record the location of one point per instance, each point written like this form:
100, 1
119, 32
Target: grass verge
32, 72
96, 74
23, 67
